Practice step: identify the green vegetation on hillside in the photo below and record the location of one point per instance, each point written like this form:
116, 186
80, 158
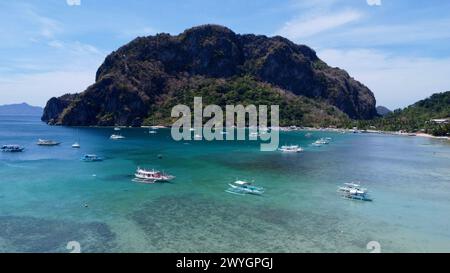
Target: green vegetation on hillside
416, 117
294, 110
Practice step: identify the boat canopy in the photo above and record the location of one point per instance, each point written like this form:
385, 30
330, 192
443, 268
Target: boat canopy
241, 182
144, 171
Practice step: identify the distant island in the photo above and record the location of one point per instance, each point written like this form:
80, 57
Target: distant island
140, 82
21, 109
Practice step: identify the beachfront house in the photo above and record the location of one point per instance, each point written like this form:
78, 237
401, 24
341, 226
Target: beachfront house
440, 121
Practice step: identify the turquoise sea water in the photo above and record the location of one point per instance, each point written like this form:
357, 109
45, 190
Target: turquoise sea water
43, 192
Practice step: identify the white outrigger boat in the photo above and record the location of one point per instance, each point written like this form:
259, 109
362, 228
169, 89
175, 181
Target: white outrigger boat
12, 148
45, 142
116, 137
322, 141
354, 191
243, 187
76, 145
91, 158
291, 149
151, 176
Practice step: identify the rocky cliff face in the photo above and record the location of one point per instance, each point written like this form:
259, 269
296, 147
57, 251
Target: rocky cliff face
148, 71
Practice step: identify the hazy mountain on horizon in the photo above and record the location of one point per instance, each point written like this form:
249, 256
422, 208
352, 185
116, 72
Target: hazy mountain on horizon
20, 109
383, 111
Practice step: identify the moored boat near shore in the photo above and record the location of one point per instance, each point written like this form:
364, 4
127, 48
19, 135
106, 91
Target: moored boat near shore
243, 187
116, 137
76, 145
91, 158
151, 176
291, 149
46, 142
354, 191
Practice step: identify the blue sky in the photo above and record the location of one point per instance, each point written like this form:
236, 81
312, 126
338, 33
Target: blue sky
398, 48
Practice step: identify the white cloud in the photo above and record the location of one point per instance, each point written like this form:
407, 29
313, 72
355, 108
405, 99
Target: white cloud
314, 4
46, 27
51, 67
396, 81
305, 27
56, 44
374, 2
73, 2
22, 25
70, 68
383, 34
37, 88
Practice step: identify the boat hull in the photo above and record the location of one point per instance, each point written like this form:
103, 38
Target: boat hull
357, 197
154, 179
246, 189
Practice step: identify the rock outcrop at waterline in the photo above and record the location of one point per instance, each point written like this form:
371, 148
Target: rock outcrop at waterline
142, 79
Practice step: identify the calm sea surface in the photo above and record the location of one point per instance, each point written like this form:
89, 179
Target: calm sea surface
44, 190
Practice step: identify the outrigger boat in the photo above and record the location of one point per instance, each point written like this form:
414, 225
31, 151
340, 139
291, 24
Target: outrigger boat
151, 176
116, 137
76, 145
322, 141
291, 149
354, 191
116, 129
45, 142
12, 148
244, 187
91, 158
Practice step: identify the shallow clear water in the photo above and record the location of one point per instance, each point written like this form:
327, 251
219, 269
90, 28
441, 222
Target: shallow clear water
43, 192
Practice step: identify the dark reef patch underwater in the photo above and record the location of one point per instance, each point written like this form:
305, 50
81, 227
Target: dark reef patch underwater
194, 223
30, 234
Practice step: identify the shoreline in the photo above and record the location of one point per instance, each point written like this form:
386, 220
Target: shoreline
340, 130
293, 128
